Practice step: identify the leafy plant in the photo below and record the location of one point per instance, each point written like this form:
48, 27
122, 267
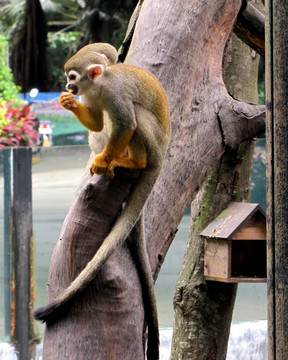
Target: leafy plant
58, 51
8, 89
18, 129
3, 119
11, 16
16, 125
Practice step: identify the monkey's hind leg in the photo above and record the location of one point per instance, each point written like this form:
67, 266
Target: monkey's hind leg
135, 157
137, 247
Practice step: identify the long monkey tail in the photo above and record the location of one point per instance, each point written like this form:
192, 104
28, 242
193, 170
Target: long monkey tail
116, 237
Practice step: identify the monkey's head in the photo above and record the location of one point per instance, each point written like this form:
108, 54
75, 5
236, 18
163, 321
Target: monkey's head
107, 51
82, 69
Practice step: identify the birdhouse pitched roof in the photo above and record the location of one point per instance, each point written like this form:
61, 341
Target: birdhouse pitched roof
232, 219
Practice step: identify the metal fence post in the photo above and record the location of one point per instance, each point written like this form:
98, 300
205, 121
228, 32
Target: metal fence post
18, 234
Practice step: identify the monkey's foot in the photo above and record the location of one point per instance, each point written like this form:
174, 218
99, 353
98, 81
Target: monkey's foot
99, 165
109, 173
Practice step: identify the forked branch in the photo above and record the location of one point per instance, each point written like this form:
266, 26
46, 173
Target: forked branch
240, 121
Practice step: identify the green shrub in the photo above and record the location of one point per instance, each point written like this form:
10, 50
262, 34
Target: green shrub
16, 125
8, 89
58, 52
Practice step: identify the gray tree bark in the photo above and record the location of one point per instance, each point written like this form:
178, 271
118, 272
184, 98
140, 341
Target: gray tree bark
204, 309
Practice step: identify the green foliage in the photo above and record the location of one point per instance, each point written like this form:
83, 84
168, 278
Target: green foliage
59, 47
8, 89
11, 16
91, 21
3, 119
60, 10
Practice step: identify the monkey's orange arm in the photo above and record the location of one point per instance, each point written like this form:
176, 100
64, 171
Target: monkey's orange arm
91, 121
87, 118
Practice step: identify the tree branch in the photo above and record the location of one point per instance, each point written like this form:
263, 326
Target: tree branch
250, 28
129, 33
241, 121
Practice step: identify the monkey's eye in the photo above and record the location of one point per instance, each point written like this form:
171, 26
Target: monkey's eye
72, 77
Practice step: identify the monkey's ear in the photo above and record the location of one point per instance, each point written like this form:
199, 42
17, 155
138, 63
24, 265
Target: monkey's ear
106, 59
95, 70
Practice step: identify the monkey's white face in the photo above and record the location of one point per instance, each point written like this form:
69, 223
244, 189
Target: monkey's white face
77, 84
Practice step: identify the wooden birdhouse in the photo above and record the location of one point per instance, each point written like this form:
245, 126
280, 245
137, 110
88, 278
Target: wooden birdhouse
235, 245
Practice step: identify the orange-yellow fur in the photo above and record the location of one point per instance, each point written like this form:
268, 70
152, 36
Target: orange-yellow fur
149, 93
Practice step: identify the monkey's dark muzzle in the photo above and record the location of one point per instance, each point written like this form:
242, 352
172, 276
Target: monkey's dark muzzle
72, 88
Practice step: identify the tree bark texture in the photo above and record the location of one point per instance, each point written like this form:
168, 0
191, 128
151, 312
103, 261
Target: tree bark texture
204, 309
102, 323
277, 177
182, 43
184, 48
28, 58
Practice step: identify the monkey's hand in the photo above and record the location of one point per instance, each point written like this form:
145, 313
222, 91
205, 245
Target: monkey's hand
68, 101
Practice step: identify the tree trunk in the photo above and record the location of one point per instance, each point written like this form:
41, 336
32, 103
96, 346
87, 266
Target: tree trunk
183, 46
101, 322
182, 43
203, 309
28, 58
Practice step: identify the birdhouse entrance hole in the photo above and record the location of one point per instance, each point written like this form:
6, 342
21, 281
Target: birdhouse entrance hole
248, 259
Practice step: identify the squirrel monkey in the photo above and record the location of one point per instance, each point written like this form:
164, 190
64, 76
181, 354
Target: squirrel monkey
130, 105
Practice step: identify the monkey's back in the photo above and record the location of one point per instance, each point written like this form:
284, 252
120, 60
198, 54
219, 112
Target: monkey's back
141, 86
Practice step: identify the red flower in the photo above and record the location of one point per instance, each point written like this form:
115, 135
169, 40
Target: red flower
19, 131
